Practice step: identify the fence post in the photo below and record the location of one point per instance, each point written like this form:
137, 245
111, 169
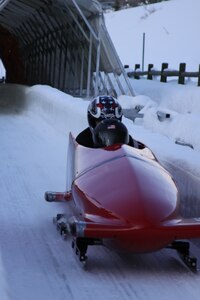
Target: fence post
163, 78
137, 66
181, 78
143, 50
199, 77
150, 67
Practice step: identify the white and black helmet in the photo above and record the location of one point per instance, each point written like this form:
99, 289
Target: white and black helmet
103, 107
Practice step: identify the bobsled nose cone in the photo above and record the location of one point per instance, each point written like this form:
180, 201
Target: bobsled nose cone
141, 193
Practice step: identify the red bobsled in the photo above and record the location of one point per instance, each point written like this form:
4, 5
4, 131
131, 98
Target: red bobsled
121, 197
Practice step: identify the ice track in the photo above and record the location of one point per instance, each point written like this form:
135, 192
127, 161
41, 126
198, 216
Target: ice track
35, 262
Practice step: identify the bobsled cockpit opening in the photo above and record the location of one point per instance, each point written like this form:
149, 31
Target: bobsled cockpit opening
110, 132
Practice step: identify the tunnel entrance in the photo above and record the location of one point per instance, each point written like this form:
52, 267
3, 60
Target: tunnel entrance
61, 43
10, 55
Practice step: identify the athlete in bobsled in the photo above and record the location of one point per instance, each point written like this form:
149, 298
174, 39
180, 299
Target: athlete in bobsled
104, 116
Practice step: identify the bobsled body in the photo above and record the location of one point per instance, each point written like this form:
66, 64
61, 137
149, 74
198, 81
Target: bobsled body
121, 197
124, 197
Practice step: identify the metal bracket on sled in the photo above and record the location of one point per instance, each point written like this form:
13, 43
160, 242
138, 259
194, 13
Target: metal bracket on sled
57, 196
183, 250
61, 225
80, 246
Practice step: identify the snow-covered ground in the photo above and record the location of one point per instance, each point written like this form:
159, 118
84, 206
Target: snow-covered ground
35, 263
171, 33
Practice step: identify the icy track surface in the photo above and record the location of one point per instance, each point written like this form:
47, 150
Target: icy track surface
35, 263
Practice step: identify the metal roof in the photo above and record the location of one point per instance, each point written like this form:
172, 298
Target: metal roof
57, 42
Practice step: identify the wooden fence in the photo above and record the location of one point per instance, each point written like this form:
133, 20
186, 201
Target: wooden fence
165, 72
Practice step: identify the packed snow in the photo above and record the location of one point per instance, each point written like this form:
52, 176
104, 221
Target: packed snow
35, 263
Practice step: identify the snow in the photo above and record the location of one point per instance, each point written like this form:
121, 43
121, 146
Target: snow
171, 33
35, 263
2, 70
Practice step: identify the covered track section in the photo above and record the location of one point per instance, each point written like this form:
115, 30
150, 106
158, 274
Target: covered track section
61, 43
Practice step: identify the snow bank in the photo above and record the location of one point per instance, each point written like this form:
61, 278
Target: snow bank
57, 108
180, 104
171, 33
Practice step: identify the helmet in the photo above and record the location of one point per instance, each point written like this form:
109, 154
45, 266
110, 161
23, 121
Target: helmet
103, 107
109, 132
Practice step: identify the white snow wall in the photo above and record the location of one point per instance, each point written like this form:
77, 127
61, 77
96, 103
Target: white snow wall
53, 106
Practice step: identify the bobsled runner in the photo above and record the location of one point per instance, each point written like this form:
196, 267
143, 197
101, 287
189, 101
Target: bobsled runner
121, 197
